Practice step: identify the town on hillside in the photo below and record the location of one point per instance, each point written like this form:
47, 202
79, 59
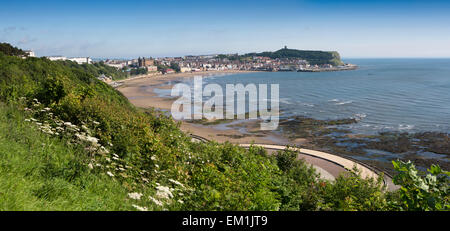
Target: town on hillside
217, 62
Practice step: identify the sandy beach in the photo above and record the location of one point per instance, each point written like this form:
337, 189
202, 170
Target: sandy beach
140, 92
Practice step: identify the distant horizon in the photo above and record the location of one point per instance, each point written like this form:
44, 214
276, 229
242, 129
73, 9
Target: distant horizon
148, 56
228, 53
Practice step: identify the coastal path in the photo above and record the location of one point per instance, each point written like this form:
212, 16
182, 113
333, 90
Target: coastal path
328, 165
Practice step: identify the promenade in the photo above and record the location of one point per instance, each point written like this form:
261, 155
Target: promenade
328, 165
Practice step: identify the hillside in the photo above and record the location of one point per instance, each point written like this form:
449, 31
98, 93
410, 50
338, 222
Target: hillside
7, 49
313, 57
71, 142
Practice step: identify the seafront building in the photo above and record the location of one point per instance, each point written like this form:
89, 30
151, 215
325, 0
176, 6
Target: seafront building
30, 53
79, 60
192, 63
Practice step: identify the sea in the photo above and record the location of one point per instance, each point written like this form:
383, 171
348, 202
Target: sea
410, 95
383, 95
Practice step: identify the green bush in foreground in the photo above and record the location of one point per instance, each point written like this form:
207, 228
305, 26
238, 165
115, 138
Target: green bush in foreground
419, 191
71, 142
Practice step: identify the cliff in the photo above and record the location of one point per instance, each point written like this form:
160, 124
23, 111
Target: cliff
313, 57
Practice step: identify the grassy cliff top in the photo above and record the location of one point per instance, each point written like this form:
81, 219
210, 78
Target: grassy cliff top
313, 57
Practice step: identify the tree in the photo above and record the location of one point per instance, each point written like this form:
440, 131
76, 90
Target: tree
9, 50
175, 67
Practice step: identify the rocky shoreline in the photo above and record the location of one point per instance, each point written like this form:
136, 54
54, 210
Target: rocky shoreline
424, 148
331, 136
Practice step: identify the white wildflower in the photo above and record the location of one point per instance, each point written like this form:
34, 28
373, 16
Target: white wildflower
157, 202
110, 174
176, 182
135, 196
163, 192
140, 208
92, 139
103, 150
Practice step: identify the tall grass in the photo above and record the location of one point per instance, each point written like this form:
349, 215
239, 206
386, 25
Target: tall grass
38, 172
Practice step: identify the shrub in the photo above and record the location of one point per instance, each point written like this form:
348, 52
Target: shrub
297, 185
419, 191
352, 192
286, 159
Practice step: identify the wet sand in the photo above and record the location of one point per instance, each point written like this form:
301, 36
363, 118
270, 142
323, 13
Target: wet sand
140, 93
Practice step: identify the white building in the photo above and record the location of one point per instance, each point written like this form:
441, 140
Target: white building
55, 58
81, 60
30, 53
116, 65
185, 69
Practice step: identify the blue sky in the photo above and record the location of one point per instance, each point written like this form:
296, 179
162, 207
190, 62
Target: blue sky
174, 28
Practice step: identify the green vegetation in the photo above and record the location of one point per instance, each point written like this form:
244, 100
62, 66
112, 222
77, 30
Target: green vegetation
71, 142
39, 172
97, 69
164, 68
313, 57
7, 49
302, 190
138, 71
419, 191
175, 67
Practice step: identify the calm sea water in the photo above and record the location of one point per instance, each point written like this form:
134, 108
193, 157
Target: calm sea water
385, 94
